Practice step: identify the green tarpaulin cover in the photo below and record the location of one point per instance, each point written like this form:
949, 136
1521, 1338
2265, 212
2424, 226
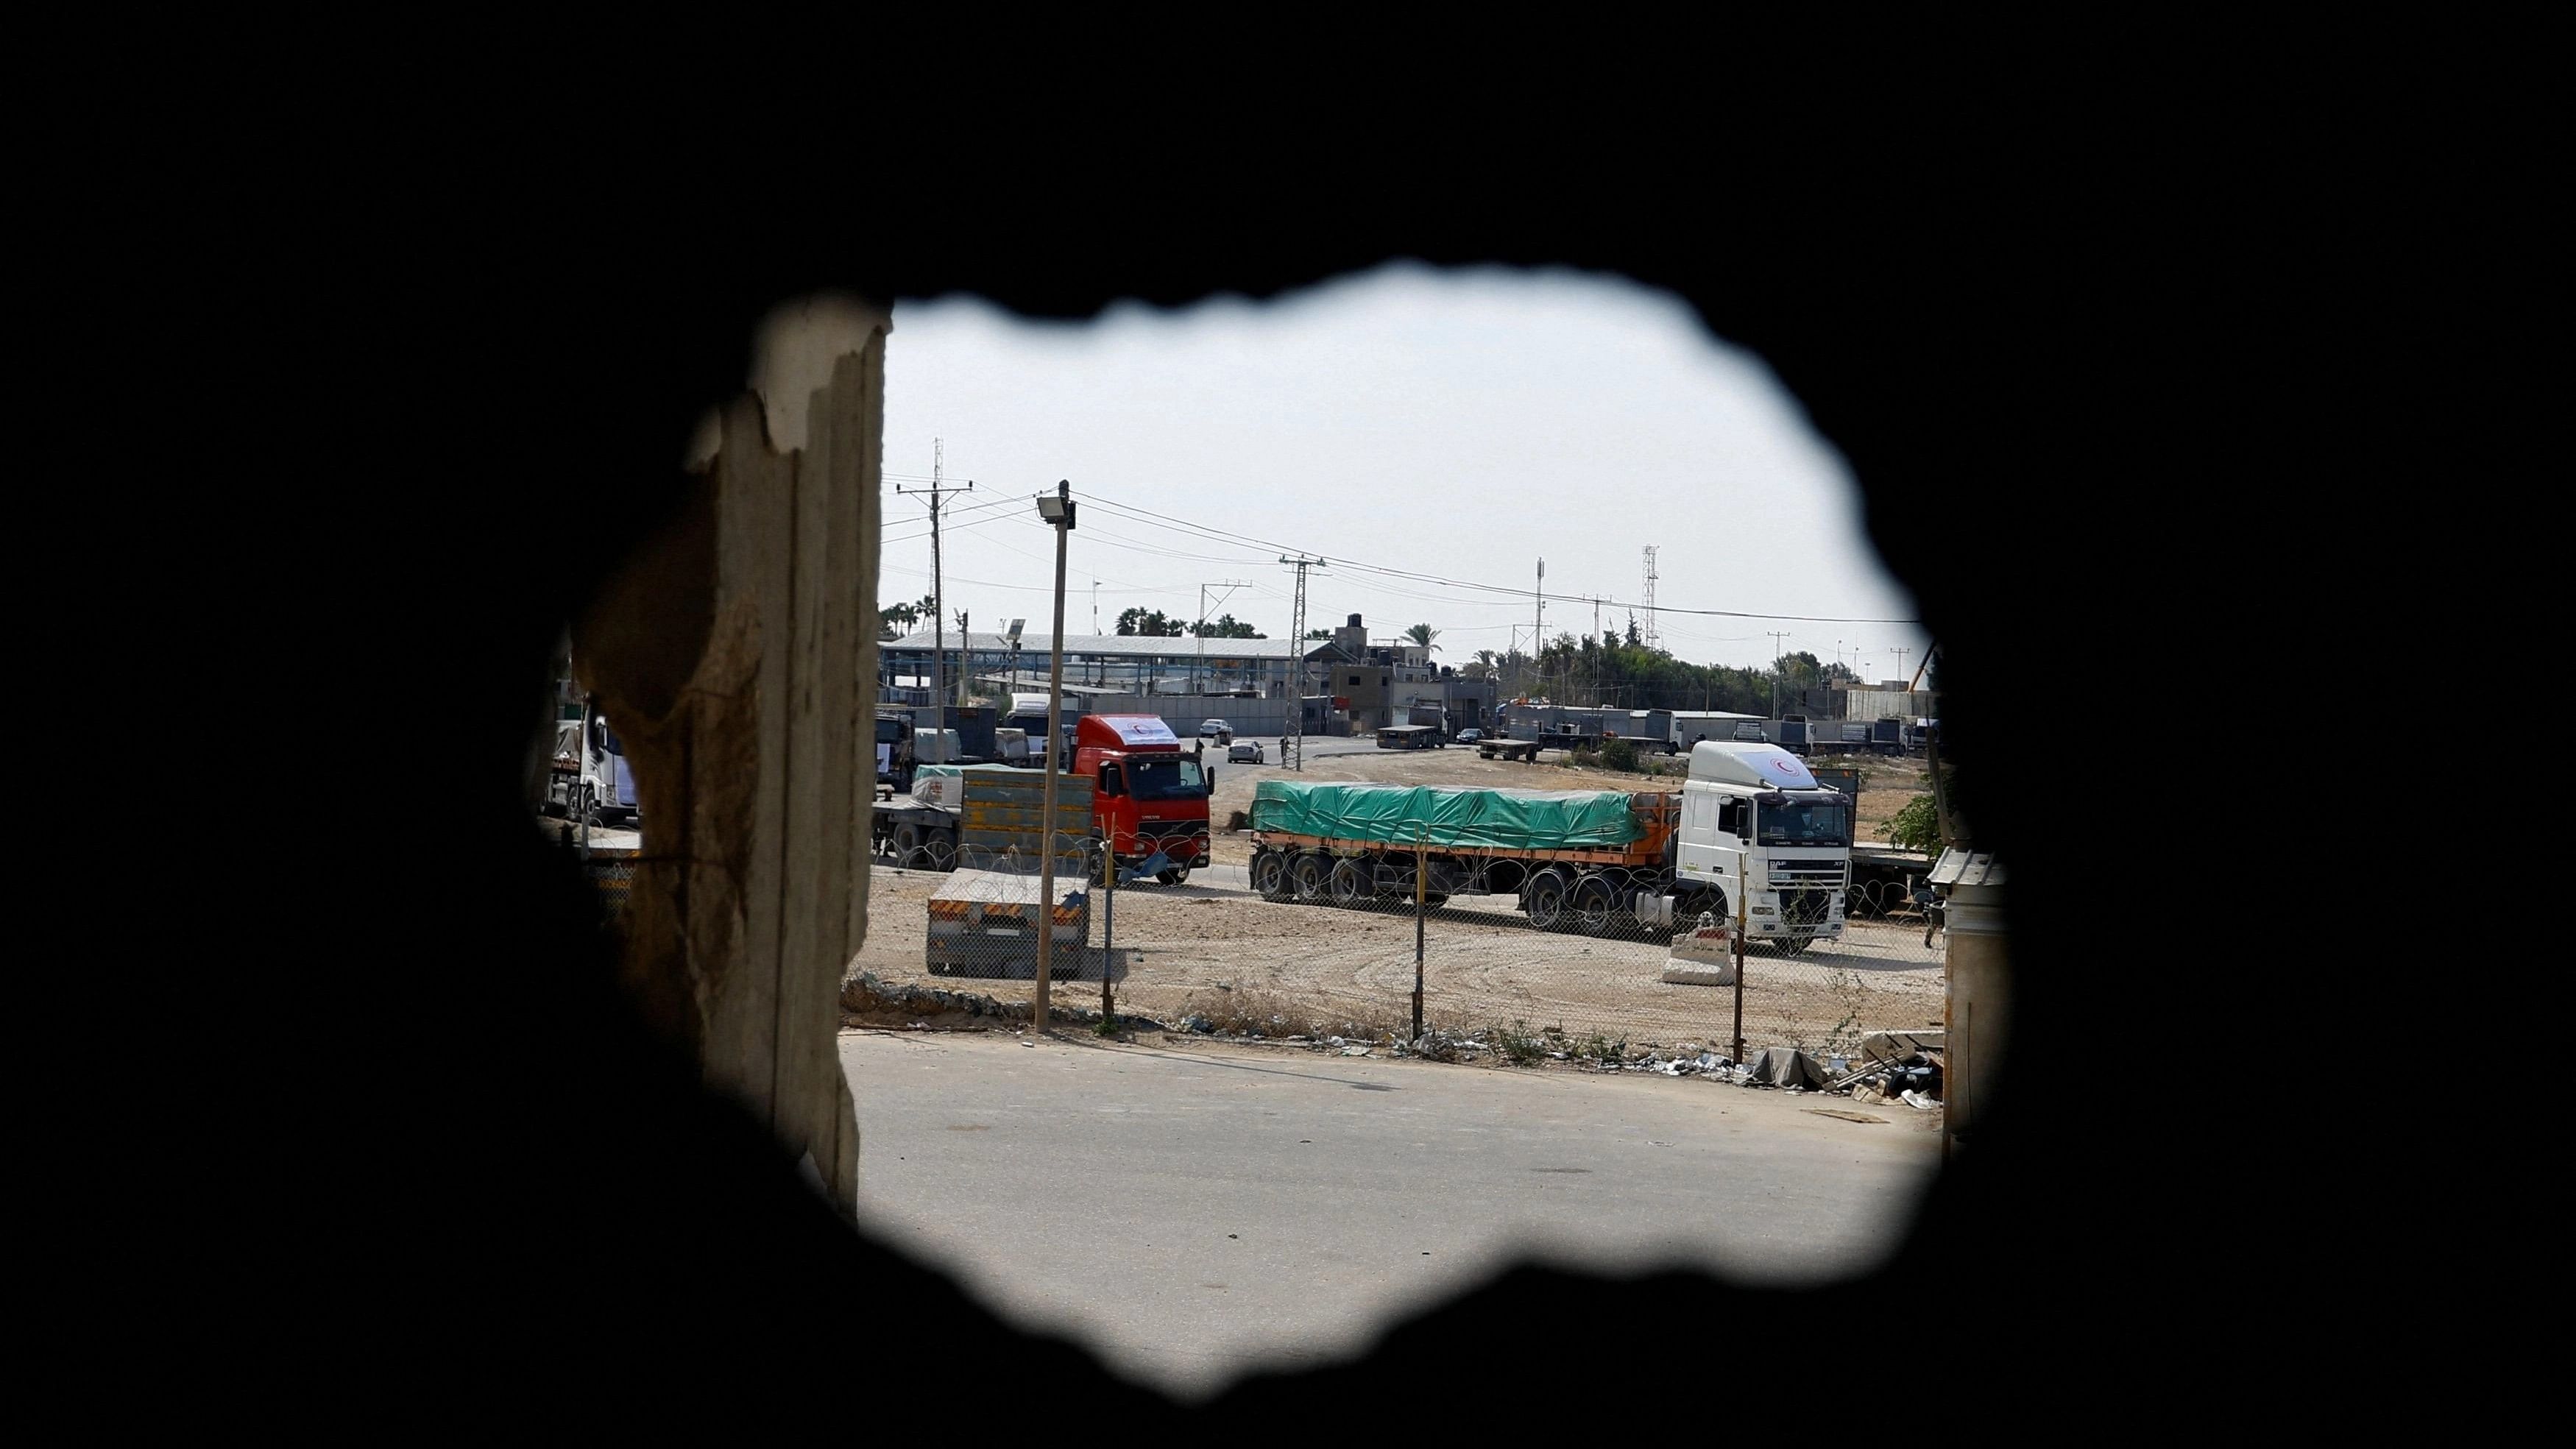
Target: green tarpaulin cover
1495, 819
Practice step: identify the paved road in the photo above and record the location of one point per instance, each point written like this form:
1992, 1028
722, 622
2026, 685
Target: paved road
1198, 1212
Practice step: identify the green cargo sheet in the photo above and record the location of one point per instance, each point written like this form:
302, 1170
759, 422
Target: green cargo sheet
1490, 819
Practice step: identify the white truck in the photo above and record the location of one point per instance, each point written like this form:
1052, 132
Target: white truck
1753, 813
590, 780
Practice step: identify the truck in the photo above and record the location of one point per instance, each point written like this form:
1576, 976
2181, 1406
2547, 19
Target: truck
1685, 728
1794, 734
1597, 862
977, 812
589, 779
1150, 795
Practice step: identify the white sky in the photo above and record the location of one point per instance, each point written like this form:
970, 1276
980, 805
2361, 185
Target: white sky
1459, 424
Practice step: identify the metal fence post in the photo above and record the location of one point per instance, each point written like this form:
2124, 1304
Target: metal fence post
1108, 930
1740, 918
1421, 875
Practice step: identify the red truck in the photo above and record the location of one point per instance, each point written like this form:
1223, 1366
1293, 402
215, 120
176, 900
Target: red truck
1148, 794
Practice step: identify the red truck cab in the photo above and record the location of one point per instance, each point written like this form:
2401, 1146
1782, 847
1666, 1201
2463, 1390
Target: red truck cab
1147, 793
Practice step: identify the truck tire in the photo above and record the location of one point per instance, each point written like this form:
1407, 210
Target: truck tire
1270, 875
1306, 877
1546, 903
1174, 876
1595, 906
1348, 885
907, 844
941, 849
1792, 945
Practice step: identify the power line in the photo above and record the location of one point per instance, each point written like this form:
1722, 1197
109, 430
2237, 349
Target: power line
1225, 536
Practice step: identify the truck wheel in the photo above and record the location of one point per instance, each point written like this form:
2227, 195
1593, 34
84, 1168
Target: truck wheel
1792, 945
1306, 878
1547, 901
907, 845
1270, 876
1173, 876
1596, 907
1348, 886
941, 848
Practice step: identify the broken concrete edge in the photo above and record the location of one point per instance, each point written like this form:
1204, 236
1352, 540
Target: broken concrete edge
864, 996
870, 1002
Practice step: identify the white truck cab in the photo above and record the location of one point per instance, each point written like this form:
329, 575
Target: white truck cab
1753, 812
591, 779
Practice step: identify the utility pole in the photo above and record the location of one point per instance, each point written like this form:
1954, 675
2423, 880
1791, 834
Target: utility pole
1057, 511
1229, 585
1597, 651
1649, 635
1901, 651
965, 658
1538, 624
1292, 751
1777, 635
937, 493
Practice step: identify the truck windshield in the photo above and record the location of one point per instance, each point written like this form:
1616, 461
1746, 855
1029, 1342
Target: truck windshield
1805, 822
1165, 780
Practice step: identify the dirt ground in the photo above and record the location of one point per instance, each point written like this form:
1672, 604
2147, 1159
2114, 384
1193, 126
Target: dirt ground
1215, 948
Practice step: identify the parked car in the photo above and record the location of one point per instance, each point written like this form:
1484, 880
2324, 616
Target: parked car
1470, 736
1217, 730
1247, 753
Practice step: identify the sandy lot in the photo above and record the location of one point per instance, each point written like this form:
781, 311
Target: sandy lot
1213, 947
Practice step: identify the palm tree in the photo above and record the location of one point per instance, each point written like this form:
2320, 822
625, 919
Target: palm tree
1423, 634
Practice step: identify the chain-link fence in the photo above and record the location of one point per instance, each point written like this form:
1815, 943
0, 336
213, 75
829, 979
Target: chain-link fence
1570, 953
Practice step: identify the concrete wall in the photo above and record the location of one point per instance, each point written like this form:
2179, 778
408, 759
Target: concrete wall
734, 657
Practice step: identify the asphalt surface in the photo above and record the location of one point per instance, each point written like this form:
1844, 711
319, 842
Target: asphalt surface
1199, 1211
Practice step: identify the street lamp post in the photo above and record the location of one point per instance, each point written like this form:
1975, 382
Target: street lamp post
1058, 512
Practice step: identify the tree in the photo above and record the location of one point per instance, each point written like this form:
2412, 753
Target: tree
896, 620
1226, 627
1319, 634
1149, 623
1423, 634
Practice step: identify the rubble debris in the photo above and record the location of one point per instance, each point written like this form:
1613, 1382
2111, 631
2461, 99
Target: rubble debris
1782, 1066
1703, 956
867, 1000
1846, 1116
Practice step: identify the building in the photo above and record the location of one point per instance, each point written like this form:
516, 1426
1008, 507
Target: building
995, 664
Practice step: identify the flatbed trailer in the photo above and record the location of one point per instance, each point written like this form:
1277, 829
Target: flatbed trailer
1584, 888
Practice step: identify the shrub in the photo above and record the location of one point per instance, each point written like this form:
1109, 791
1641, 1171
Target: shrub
1916, 827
